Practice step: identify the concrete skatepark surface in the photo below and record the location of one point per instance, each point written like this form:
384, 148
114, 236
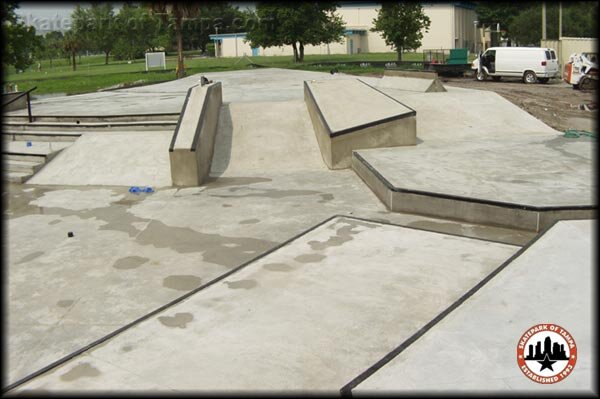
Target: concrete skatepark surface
286, 321
132, 254
488, 339
111, 158
343, 104
530, 170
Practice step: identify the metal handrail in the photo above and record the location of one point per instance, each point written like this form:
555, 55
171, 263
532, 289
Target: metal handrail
25, 93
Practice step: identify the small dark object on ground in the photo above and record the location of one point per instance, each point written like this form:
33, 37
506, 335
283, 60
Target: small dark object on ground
334, 71
70, 234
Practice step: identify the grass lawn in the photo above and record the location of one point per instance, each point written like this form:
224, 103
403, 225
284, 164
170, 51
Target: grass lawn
92, 74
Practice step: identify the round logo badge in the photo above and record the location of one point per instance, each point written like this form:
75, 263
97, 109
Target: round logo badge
546, 353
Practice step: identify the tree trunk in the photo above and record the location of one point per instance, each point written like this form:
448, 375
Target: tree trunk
180, 71
73, 63
301, 58
295, 52
106, 59
399, 52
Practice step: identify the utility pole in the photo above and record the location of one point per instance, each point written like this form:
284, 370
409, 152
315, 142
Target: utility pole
559, 20
475, 38
544, 20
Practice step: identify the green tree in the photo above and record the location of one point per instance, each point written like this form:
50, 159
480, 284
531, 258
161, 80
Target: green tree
71, 45
79, 37
580, 19
492, 13
51, 46
102, 28
137, 30
525, 26
295, 24
214, 17
401, 25
21, 42
176, 13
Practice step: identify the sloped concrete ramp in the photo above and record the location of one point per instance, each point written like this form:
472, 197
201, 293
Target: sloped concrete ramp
111, 158
265, 137
474, 347
309, 316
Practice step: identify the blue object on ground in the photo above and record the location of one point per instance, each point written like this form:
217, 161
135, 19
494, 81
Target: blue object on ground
29, 144
137, 189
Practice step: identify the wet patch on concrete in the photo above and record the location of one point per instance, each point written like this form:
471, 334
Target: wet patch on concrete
326, 198
179, 320
182, 282
127, 348
129, 262
30, 257
558, 143
55, 221
309, 258
271, 193
277, 267
78, 200
343, 234
220, 182
215, 248
127, 202
250, 221
65, 303
241, 284
80, 371
226, 206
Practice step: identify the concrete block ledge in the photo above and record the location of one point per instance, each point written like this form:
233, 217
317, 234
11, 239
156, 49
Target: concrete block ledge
473, 210
349, 114
192, 146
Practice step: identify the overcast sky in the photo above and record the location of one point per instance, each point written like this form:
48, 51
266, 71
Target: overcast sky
48, 16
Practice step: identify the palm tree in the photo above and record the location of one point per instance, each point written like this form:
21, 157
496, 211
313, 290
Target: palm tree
179, 12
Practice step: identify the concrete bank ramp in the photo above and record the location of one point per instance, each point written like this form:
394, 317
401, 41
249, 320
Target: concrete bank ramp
265, 136
474, 347
113, 159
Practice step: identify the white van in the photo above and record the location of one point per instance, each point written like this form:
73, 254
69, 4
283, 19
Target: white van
530, 63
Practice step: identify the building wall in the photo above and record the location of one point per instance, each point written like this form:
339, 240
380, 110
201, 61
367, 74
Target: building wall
566, 46
451, 27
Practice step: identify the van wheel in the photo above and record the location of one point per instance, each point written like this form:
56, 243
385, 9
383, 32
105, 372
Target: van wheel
497, 78
480, 76
529, 77
544, 80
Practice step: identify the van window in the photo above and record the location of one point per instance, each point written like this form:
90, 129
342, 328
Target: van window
490, 55
553, 54
548, 57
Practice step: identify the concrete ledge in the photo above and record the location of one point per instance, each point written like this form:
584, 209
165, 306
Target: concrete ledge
350, 114
193, 142
472, 210
410, 74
